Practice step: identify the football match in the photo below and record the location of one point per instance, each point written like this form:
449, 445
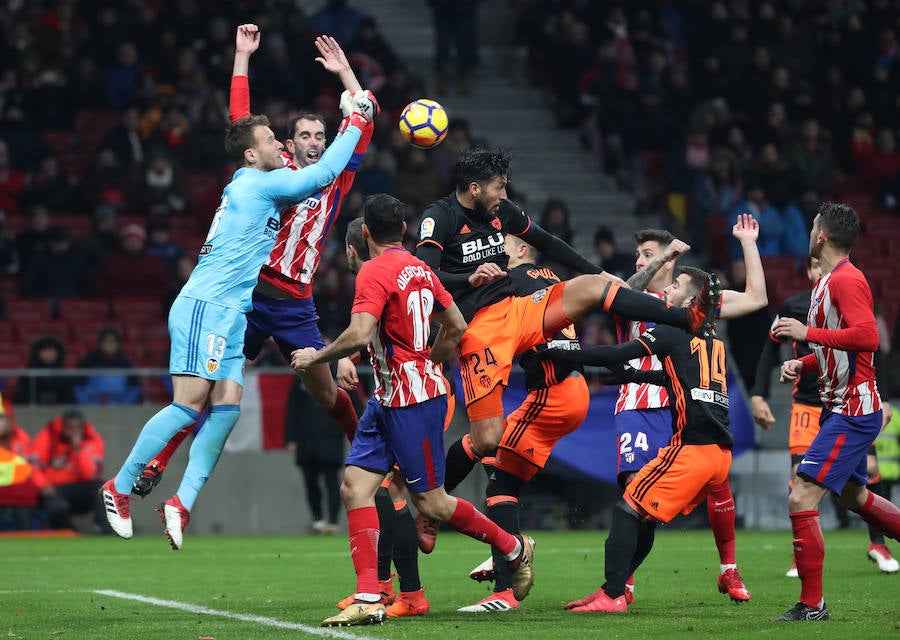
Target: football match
491, 319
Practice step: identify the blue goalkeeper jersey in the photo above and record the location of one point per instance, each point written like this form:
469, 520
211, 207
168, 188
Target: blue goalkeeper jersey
243, 231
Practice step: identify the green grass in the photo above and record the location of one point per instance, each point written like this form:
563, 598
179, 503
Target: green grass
48, 589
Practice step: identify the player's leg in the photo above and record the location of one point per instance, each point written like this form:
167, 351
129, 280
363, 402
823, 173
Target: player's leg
878, 551
152, 473
720, 510
640, 434
225, 409
877, 512
411, 600
587, 292
294, 325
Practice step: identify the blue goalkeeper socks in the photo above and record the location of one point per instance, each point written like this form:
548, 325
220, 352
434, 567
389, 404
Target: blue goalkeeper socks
205, 451
153, 437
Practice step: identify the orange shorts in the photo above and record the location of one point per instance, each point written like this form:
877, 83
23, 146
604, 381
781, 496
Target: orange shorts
804, 427
678, 479
532, 430
503, 330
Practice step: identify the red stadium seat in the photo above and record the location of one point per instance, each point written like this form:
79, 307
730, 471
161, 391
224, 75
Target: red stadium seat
10, 359
28, 309
139, 310
32, 330
84, 308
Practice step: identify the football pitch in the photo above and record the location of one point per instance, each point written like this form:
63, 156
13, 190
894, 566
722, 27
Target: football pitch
282, 587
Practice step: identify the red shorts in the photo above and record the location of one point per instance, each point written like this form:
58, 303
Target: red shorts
532, 430
678, 479
503, 330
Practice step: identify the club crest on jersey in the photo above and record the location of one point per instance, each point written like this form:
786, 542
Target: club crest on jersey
211, 365
569, 332
538, 295
426, 230
495, 222
485, 381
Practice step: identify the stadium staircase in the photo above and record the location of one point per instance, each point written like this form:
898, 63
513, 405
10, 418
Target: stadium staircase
505, 110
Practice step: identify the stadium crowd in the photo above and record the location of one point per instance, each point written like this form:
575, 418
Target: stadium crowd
111, 117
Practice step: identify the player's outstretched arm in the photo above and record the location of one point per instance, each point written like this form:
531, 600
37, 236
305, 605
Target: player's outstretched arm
332, 57
754, 296
452, 328
642, 278
601, 356
352, 339
246, 42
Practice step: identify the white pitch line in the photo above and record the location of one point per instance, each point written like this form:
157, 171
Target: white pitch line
244, 617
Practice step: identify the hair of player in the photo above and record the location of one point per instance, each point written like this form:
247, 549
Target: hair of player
240, 136
698, 278
479, 165
354, 238
304, 115
384, 216
532, 251
839, 223
659, 236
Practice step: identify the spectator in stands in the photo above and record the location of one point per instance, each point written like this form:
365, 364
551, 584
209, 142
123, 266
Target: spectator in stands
162, 190
52, 186
102, 239
883, 167
418, 183
12, 181
375, 174
810, 157
455, 26
9, 259
203, 148
34, 240
61, 272
126, 142
69, 452
122, 76
108, 389
771, 171
160, 245
107, 181
19, 498
131, 270
555, 219
46, 352
771, 226
608, 255
716, 193
339, 20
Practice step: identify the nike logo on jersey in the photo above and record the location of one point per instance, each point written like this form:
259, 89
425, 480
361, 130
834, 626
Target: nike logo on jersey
408, 481
805, 461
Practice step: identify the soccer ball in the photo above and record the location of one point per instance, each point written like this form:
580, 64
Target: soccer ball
423, 123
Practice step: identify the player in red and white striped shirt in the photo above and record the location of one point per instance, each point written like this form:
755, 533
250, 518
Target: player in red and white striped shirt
397, 295
643, 419
283, 307
843, 336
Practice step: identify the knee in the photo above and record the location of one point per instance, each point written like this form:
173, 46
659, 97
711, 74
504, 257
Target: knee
486, 435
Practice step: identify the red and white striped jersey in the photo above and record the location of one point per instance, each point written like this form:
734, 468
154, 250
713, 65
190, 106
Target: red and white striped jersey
402, 292
843, 336
305, 225
636, 396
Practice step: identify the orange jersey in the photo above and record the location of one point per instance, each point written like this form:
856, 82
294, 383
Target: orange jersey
533, 429
804, 427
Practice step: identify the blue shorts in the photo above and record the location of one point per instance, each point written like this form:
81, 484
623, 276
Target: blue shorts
207, 340
412, 436
641, 434
292, 323
838, 454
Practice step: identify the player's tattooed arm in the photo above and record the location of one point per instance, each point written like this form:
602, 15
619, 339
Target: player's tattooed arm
642, 278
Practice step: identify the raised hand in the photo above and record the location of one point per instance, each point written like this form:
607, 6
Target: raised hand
676, 249
746, 227
790, 371
247, 38
332, 56
485, 273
